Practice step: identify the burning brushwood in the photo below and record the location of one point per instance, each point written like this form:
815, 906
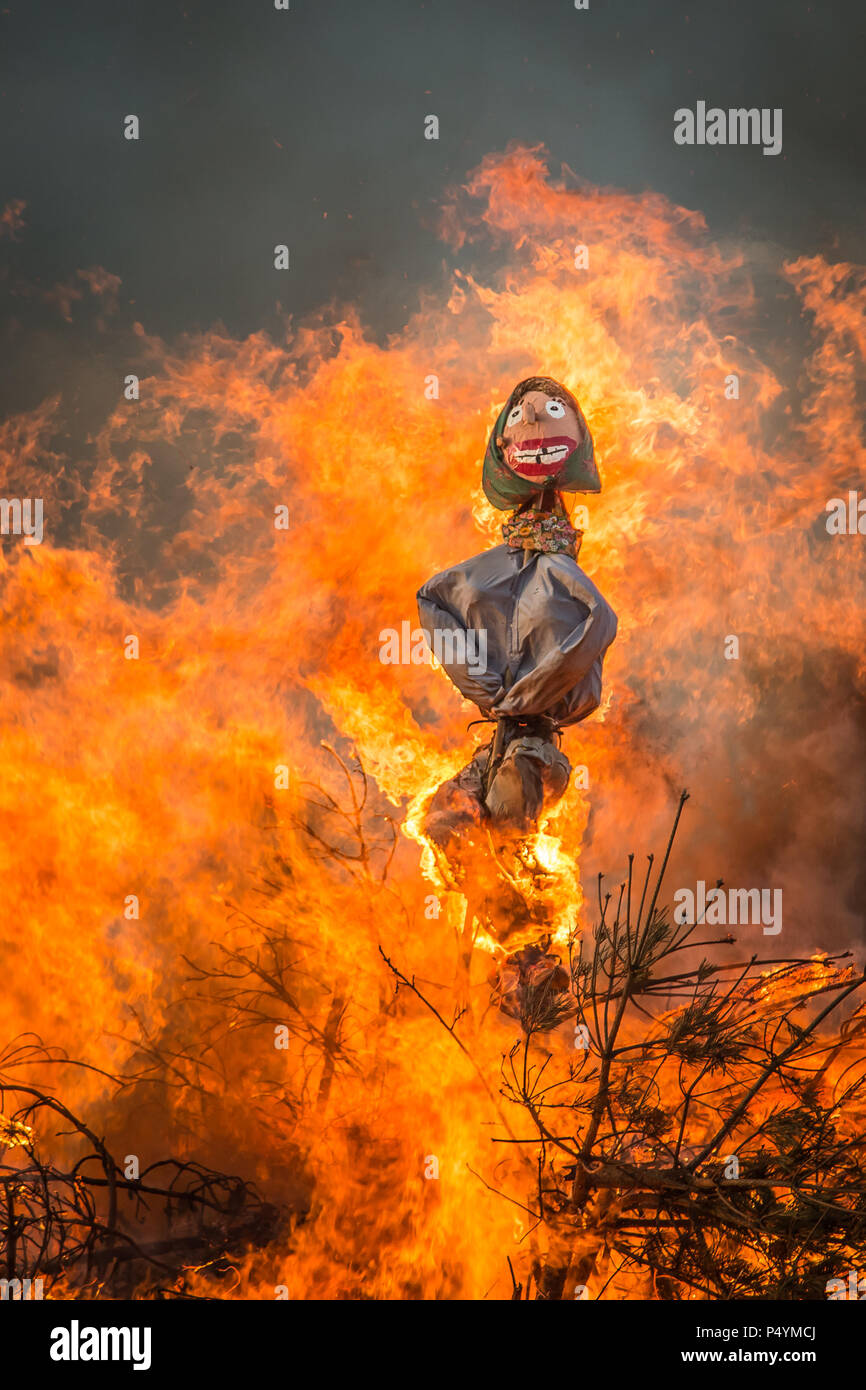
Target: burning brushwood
85, 1226
709, 1146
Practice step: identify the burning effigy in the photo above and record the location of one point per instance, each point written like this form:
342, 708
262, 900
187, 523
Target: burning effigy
542, 624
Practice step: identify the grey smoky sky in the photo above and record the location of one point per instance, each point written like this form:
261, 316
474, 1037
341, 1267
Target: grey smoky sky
256, 122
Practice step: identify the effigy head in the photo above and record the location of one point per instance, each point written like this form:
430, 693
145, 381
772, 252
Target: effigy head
540, 440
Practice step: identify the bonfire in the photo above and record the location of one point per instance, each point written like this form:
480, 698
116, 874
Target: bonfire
264, 1033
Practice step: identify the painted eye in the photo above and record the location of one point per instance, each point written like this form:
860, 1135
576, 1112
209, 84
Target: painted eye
515, 415
555, 409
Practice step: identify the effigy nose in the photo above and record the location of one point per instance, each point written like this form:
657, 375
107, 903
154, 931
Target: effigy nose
529, 413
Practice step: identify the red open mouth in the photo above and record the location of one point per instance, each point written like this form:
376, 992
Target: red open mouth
540, 457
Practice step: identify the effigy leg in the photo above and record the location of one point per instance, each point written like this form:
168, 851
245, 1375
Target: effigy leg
531, 776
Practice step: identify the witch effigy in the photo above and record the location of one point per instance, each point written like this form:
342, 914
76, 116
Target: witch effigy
541, 622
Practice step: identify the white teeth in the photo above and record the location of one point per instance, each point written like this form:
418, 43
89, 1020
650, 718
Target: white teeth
546, 455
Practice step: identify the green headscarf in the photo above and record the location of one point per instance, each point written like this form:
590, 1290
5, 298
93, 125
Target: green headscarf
505, 490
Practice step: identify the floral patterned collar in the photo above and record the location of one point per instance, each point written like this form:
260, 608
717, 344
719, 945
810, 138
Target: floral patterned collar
540, 527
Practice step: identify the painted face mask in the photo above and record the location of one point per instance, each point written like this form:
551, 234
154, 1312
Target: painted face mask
541, 433
540, 441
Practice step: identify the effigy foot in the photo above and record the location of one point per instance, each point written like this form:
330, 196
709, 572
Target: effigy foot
532, 985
